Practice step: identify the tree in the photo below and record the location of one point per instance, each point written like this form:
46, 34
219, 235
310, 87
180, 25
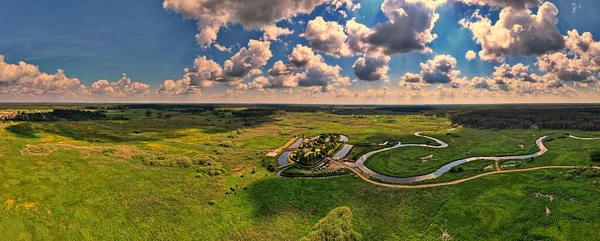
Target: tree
595, 156
148, 113
335, 226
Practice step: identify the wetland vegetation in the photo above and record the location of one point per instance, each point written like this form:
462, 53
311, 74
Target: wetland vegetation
203, 174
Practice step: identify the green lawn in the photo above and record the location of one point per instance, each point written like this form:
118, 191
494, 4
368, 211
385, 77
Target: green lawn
81, 181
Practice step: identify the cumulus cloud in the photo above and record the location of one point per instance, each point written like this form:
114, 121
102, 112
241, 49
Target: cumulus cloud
440, 70
203, 74
408, 28
470, 55
302, 55
247, 61
372, 67
123, 88
357, 34
27, 79
327, 36
518, 4
322, 74
410, 78
518, 32
206, 72
306, 69
272, 32
222, 48
211, 15
580, 62
519, 80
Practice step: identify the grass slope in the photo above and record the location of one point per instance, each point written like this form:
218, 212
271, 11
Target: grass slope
80, 181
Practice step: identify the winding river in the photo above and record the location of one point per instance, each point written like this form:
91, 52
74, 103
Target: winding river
360, 163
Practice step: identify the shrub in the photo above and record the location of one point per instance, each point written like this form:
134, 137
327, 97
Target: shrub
335, 226
165, 161
227, 144
595, 156
548, 177
205, 160
567, 176
211, 171
457, 169
108, 151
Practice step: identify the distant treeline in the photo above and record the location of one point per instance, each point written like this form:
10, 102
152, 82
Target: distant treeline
585, 119
58, 114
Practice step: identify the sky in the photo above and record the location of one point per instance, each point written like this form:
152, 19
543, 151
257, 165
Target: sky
300, 51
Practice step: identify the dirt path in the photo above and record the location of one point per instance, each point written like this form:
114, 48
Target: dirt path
400, 186
360, 162
364, 172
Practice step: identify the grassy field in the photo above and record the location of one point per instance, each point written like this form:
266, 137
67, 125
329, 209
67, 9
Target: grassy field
464, 142
563, 151
85, 181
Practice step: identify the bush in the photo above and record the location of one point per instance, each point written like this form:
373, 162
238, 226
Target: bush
109, 151
175, 160
457, 169
567, 176
269, 164
205, 160
211, 171
335, 226
548, 177
227, 144
584, 172
595, 156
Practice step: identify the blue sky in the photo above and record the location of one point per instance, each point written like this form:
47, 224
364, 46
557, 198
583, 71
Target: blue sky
93, 40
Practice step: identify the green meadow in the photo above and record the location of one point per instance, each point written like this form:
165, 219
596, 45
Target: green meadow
204, 176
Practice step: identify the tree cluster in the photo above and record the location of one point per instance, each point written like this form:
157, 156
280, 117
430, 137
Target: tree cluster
314, 151
58, 114
337, 225
585, 118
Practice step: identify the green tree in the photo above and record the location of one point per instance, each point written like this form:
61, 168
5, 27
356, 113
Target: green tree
336, 226
595, 156
148, 113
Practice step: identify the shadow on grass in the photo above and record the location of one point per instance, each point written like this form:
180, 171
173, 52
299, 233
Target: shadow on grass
24, 130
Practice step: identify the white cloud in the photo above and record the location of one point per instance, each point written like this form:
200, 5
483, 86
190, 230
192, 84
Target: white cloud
518, 4
518, 32
327, 36
246, 62
272, 32
579, 63
27, 79
470, 55
211, 15
303, 55
123, 88
222, 48
306, 70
